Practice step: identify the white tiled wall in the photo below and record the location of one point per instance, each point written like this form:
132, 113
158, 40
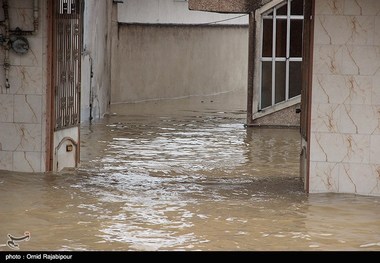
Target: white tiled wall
345, 129
22, 107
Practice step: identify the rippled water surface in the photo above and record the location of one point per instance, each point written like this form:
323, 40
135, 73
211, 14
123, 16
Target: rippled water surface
183, 175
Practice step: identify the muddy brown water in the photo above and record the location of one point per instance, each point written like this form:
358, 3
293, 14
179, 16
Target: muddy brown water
183, 175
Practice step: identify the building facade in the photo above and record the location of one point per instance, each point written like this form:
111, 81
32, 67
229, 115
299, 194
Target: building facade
345, 102
165, 51
23, 86
46, 79
339, 76
319, 57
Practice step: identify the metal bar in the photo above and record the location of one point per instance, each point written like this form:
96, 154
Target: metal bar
287, 50
50, 91
261, 63
274, 56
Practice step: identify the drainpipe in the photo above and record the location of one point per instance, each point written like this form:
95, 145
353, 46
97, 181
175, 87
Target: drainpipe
6, 67
6, 43
91, 93
91, 99
36, 9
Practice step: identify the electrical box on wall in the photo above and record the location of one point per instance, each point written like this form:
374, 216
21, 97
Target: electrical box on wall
13, 37
19, 44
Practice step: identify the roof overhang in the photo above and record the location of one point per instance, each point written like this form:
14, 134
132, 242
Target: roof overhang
226, 6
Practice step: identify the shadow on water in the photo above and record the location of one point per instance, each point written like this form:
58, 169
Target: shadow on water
193, 178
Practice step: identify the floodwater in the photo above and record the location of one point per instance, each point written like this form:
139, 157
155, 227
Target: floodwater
183, 175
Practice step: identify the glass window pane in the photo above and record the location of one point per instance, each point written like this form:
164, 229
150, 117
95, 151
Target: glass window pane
282, 11
296, 38
297, 7
266, 85
295, 79
280, 81
267, 37
281, 38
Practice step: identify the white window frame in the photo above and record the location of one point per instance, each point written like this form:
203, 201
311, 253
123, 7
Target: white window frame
260, 15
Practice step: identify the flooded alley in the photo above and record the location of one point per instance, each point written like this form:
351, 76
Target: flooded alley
183, 175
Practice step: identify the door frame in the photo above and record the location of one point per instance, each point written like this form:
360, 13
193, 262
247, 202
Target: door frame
51, 84
50, 119
307, 79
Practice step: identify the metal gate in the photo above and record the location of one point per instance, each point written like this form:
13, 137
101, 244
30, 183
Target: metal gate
67, 44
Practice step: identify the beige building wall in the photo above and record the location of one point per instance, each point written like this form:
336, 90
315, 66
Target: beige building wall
160, 62
345, 123
96, 59
23, 104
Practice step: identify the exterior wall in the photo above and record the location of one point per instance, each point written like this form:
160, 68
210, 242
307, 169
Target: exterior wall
345, 127
96, 59
286, 117
95, 80
23, 116
160, 62
23, 105
61, 157
170, 12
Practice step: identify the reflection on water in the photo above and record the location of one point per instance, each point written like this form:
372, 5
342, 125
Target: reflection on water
183, 175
